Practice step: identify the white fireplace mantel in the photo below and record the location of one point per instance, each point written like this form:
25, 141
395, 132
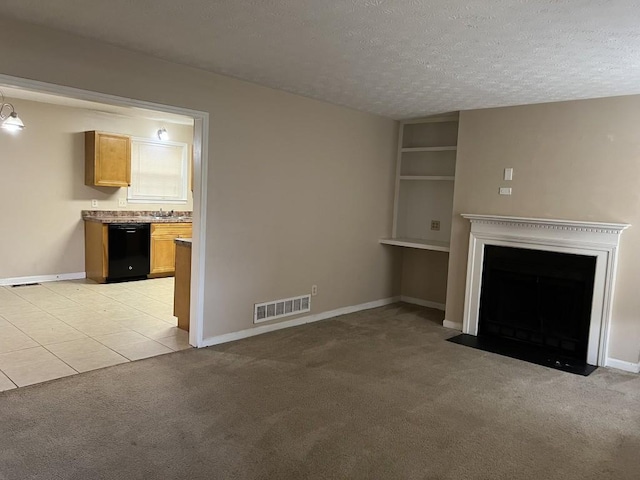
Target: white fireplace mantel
566, 236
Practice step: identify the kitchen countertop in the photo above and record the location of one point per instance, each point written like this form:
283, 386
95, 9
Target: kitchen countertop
183, 241
132, 216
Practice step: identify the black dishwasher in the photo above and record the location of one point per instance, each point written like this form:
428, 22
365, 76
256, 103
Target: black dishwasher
128, 251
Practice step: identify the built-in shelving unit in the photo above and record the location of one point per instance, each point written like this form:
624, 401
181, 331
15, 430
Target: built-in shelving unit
428, 177
425, 175
429, 149
416, 243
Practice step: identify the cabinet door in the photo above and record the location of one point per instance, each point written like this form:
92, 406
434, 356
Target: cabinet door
163, 254
113, 163
163, 247
108, 159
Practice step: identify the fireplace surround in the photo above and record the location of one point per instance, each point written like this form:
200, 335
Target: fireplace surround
596, 241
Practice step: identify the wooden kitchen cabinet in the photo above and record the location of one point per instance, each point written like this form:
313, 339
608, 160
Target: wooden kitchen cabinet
163, 248
96, 251
107, 159
162, 251
182, 285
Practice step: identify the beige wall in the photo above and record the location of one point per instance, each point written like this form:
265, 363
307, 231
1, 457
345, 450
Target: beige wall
42, 185
424, 275
572, 160
299, 191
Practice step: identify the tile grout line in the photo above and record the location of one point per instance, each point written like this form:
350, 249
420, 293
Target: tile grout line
46, 311
9, 378
39, 343
45, 347
86, 336
95, 340
127, 305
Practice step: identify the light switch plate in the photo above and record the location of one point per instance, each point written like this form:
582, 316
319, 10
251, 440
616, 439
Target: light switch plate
122, 202
508, 173
94, 203
505, 190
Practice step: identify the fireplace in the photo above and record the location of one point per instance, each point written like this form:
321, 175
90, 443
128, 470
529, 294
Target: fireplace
540, 298
542, 285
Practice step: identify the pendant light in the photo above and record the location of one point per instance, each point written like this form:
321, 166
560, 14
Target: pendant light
8, 116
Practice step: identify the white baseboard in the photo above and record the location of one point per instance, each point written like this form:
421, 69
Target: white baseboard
454, 325
622, 365
250, 332
42, 278
422, 303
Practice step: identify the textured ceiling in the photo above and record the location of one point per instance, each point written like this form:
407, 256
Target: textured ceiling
399, 58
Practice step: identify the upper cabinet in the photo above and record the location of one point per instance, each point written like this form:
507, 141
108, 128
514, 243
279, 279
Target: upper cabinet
107, 159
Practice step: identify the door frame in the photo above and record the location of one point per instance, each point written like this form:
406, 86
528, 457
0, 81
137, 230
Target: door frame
200, 166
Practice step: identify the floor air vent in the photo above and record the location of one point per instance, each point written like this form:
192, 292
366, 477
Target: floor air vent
25, 285
263, 312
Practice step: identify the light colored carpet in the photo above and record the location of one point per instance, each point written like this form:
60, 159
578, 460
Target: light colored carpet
373, 395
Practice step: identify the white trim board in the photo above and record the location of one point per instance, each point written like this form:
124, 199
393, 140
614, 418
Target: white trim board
454, 325
251, 332
422, 303
200, 163
622, 365
42, 278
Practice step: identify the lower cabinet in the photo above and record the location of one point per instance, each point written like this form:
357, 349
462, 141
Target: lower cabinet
182, 285
163, 248
96, 251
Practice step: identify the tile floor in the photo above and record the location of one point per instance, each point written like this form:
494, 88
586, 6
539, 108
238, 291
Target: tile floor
63, 328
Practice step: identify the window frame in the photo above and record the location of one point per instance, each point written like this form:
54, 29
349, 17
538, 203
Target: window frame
152, 199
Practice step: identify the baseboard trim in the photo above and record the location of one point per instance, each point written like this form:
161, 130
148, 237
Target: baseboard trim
42, 278
454, 325
422, 303
250, 332
622, 365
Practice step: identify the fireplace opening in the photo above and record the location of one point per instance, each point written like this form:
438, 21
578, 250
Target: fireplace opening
540, 298
535, 305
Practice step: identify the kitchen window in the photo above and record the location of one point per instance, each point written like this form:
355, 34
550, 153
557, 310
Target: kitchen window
159, 171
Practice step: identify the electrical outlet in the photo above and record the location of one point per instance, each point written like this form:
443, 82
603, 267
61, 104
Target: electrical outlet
94, 203
122, 202
314, 290
435, 224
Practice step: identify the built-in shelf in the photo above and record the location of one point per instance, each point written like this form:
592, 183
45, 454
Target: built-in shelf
417, 243
428, 177
429, 149
423, 204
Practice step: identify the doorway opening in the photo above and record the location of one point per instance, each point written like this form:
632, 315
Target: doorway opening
99, 109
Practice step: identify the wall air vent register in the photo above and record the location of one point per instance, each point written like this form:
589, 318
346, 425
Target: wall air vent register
264, 312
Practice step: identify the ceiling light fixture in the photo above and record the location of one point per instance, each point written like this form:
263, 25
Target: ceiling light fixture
10, 119
162, 134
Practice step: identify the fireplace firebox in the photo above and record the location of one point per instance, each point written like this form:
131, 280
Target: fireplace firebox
539, 298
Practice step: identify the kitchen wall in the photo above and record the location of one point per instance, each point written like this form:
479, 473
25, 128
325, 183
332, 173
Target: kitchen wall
299, 191
572, 160
42, 185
